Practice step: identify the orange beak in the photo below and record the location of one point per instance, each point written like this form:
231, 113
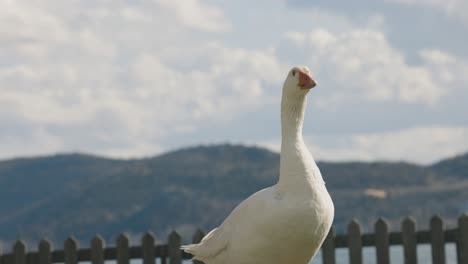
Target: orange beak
306, 81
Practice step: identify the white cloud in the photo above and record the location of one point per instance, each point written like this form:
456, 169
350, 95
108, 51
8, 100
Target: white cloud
456, 8
117, 78
123, 78
418, 144
449, 69
232, 79
425, 144
366, 67
197, 15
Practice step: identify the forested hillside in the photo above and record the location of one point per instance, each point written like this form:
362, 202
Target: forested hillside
77, 194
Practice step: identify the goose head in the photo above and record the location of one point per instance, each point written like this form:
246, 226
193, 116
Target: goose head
298, 83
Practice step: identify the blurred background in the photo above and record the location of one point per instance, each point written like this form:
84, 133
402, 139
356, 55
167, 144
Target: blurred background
160, 115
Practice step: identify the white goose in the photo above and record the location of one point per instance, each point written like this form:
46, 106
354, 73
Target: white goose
287, 222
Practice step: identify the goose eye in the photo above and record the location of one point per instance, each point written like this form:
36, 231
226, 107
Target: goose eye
294, 73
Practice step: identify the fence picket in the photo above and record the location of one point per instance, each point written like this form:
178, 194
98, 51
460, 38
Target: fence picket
197, 237
408, 230
437, 240
97, 250
462, 239
354, 243
19, 249
382, 242
328, 247
148, 243
45, 255
170, 253
122, 254
70, 251
174, 243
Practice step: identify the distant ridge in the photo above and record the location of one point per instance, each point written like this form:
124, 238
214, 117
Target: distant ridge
81, 194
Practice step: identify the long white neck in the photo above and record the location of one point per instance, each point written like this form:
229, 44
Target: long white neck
298, 171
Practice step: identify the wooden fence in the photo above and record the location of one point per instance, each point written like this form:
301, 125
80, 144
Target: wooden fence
170, 253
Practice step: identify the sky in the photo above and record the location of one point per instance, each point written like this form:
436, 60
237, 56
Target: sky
137, 78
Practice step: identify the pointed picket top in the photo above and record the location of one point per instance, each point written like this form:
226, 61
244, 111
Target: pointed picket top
174, 243
45, 249
354, 242
408, 233
382, 241
198, 236
381, 220
148, 242
148, 237
354, 225
174, 236
71, 242
408, 225
122, 249
19, 246
381, 224
463, 238
19, 251
97, 241
408, 218
70, 250
97, 250
437, 240
122, 239
408, 222
436, 220
45, 245
463, 218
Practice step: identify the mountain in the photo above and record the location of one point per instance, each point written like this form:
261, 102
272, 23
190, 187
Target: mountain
456, 167
82, 195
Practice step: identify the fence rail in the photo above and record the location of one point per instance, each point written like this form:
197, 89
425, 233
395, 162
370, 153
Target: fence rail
170, 253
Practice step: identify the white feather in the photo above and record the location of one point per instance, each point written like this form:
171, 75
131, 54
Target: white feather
285, 223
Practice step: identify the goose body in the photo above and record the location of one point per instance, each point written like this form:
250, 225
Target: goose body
287, 222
